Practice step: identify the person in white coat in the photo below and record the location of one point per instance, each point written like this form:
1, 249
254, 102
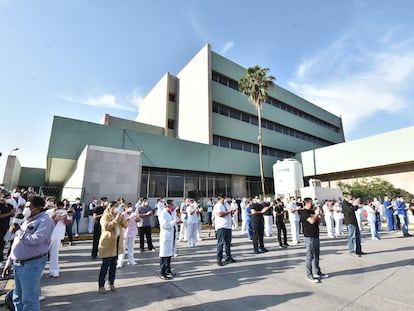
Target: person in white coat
338, 218
293, 219
59, 216
328, 212
168, 229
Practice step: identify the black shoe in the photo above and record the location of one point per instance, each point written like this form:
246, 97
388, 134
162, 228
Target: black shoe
171, 274
165, 277
362, 253
264, 250
219, 263
93, 257
231, 260
286, 244
256, 251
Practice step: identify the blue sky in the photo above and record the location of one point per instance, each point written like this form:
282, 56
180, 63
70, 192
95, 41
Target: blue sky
82, 59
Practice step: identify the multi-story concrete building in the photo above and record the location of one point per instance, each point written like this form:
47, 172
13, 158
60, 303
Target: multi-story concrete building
195, 135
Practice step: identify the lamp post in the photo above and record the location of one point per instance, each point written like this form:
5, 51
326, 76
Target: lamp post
15, 149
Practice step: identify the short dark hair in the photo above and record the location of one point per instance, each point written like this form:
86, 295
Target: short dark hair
60, 203
307, 200
37, 202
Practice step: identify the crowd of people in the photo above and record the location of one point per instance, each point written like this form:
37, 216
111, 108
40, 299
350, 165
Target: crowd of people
33, 230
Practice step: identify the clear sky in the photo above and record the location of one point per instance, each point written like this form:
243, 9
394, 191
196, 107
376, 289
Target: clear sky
81, 59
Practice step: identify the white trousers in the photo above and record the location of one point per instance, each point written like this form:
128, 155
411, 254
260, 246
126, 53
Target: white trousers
91, 222
128, 244
183, 231
54, 257
268, 223
329, 226
192, 234
294, 230
338, 226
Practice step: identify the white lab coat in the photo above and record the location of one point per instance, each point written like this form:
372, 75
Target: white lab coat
167, 227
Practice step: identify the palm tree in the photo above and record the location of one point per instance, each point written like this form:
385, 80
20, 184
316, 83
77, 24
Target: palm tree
256, 85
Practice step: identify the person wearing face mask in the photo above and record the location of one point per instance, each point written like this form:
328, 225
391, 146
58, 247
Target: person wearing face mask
168, 231
89, 213
97, 214
77, 207
145, 212
60, 217
29, 254
110, 244
129, 236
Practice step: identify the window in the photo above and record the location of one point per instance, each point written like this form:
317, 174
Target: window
235, 114
171, 97
236, 145
157, 184
171, 124
176, 185
224, 142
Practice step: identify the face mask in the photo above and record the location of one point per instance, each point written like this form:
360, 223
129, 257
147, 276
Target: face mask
106, 203
77, 202
27, 212
129, 209
172, 209
120, 209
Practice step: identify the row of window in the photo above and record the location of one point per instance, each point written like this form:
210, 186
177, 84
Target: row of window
248, 118
275, 102
249, 147
179, 184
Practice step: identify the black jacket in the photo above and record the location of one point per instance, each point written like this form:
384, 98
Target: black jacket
349, 213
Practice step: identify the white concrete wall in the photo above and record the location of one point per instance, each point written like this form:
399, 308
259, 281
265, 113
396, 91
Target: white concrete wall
12, 172
153, 109
194, 103
103, 171
379, 150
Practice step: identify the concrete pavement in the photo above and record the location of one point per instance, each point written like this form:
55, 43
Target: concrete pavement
380, 280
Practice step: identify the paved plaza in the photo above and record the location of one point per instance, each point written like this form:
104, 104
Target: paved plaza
380, 280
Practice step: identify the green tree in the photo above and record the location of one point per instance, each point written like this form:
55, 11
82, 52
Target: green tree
256, 85
369, 188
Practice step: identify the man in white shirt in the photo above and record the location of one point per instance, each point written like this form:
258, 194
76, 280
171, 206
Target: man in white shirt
328, 212
222, 223
293, 219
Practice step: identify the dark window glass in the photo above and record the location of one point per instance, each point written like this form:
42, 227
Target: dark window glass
171, 97
236, 145
247, 147
222, 80
215, 108
235, 114
216, 141
157, 184
224, 111
255, 148
144, 185
253, 120
245, 117
176, 185
234, 85
224, 142
171, 124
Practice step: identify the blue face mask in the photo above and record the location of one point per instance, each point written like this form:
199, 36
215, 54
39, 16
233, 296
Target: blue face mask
120, 209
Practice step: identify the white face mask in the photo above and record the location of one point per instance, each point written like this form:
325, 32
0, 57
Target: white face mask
106, 203
77, 202
129, 209
27, 212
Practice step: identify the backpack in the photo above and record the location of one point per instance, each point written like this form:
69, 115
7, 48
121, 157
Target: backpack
8, 301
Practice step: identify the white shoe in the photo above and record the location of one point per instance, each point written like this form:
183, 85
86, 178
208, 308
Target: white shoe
76, 235
132, 263
119, 266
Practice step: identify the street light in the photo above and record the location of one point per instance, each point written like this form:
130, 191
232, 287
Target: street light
15, 149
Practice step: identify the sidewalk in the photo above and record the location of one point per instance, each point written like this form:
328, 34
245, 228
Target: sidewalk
380, 280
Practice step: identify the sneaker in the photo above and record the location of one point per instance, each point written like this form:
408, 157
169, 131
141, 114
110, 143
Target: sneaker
152, 250
281, 246
171, 274
286, 244
355, 254
119, 266
231, 260
312, 280
264, 250
219, 263
256, 251
320, 276
132, 263
76, 235
102, 290
362, 253
41, 298
53, 275
165, 277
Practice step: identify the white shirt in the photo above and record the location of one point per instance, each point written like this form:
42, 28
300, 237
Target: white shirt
224, 221
292, 210
60, 227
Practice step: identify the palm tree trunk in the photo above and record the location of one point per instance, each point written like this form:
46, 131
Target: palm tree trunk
259, 138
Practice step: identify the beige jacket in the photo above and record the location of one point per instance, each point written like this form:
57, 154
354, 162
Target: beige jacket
107, 241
